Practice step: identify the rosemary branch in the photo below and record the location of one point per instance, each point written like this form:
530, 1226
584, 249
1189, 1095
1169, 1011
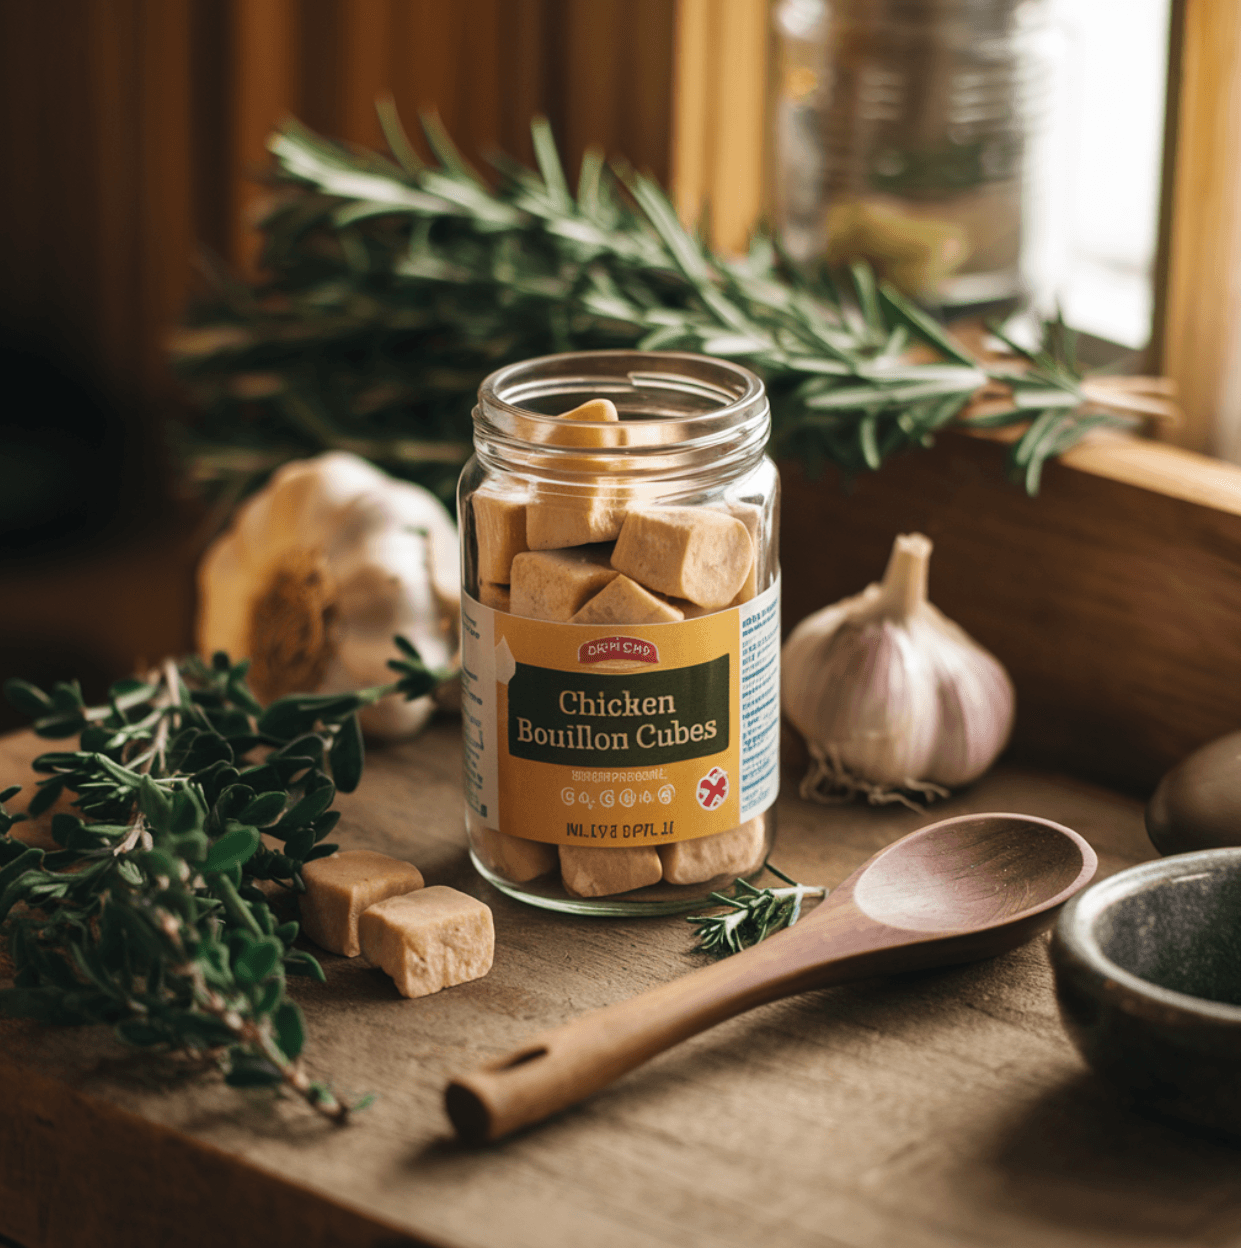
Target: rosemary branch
752, 914
395, 286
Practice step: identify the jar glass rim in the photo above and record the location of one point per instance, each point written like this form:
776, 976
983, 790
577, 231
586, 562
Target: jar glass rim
714, 393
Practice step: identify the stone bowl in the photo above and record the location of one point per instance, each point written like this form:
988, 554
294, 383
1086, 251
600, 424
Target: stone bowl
1148, 976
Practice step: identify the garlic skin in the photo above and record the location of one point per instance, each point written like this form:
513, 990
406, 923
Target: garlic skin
890, 694
316, 574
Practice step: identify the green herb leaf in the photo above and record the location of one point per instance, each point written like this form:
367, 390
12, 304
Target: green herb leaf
304, 964
751, 914
235, 847
27, 698
347, 755
148, 917
155, 804
290, 1028
263, 809
258, 961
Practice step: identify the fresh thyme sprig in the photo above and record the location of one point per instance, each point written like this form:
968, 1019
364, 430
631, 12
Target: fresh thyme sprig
149, 916
395, 286
753, 915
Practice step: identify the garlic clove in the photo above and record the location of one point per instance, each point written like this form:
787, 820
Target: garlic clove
415, 511
300, 506
889, 693
882, 723
976, 704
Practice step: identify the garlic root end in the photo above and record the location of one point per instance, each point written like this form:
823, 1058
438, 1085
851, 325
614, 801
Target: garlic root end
830, 783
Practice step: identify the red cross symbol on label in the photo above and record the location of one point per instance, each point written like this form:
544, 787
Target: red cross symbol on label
712, 788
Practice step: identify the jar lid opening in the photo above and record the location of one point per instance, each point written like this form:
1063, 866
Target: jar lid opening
663, 398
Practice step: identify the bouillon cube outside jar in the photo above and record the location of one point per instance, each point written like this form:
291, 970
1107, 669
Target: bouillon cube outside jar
621, 630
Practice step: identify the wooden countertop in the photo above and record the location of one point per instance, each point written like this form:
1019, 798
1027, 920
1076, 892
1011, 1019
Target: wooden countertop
929, 1110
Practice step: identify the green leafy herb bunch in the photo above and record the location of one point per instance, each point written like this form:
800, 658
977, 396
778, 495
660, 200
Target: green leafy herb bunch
394, 286
149, 915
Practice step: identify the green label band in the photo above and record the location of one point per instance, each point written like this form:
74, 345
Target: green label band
636, 719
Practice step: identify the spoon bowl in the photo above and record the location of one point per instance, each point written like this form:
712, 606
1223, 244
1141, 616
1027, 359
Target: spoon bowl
954, 891
974, 871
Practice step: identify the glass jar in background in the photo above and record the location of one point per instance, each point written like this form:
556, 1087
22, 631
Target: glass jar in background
907, 134
621, 635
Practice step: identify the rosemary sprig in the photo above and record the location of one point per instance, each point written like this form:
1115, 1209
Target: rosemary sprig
753, 914
148, 917
395, 286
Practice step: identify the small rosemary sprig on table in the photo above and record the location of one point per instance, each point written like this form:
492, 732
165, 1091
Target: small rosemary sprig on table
753, 914
149, 916
395, 286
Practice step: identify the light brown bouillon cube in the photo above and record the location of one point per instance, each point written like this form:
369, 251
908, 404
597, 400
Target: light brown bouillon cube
500, 529
556, 584
597, 411
752, 517
494, 596
559, 519
562, 515
685, 552
511, 857
340, 887
590, 872
738, 851
429, 940
623, 601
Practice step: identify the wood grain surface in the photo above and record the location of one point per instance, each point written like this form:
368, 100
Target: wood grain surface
927, 1110
1112, 598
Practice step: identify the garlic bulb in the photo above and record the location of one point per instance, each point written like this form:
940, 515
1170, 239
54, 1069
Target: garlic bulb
890, 694
316, 574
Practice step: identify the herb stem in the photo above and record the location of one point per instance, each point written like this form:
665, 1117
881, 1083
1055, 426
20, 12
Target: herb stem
755, 914
237, 909
247, 1032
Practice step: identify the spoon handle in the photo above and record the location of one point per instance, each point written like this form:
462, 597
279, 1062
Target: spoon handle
565, 1065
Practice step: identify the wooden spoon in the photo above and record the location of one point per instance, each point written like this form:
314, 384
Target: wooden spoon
954, 891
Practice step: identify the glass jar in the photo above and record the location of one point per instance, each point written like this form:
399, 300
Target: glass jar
908, 134
620, 625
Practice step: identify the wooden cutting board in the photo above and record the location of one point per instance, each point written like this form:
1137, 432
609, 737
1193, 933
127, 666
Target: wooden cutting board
930, 1110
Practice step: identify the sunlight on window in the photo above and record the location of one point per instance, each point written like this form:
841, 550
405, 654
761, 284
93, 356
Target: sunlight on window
1106, 146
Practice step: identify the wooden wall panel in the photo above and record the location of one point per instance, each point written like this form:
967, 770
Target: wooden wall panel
98, 217
601, 70
617, 90
366, 42
165, 222
264, 42
114, 84
138, 128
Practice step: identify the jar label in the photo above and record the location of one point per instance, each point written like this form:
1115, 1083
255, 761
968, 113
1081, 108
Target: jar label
621, 734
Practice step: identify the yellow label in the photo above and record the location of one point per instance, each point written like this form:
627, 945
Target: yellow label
621, 735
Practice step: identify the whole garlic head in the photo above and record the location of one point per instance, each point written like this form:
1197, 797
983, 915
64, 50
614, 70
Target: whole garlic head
316, 574
890, 694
